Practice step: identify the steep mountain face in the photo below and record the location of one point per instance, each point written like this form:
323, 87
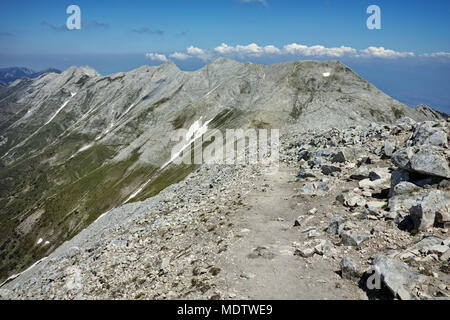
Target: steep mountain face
76, 144
430, 112
8, 75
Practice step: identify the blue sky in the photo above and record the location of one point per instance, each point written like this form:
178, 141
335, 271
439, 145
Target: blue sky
408, 58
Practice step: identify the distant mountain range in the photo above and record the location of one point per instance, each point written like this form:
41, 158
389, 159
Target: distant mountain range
8, 75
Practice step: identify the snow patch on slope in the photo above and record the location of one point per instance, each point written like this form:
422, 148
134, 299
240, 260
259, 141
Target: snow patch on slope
195, 131
60, 108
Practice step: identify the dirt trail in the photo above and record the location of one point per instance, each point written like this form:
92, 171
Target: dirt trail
267, 221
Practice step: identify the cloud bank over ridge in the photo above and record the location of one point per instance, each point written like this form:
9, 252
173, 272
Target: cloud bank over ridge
253, 50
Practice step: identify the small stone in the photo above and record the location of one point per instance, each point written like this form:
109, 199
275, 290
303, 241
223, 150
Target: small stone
323, 248
336, 225
374, 176
313, 234
328, 170
246, 275
308, 229
349, 269
389, 147
262, 252
305, 253
349, 199
353, 238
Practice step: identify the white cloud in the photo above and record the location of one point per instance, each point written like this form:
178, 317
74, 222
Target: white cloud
253, 50
381, 52
156, 57
318, 51
179, 56
195, 51
224, 49
271, 50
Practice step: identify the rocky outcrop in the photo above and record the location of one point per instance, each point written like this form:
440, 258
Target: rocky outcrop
397, 276
398, 179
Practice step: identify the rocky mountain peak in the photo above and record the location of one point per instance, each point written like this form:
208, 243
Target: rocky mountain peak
80, 71
430, 112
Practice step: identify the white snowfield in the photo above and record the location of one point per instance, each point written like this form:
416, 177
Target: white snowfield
195, 131
35, 132
60, 108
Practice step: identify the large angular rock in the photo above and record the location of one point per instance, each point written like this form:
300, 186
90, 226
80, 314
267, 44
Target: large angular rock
428, 161
404, 201
426, 242
397, 276
353, 238
429, 132
423, 214
327, 169
425, 151
405, 122
360, 174
404, 188
345, 154
402, 158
